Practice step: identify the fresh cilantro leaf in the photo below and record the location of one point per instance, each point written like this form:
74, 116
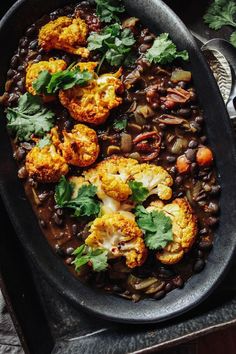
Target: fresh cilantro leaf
120, 124
233, 39
42, 81
164, 51
98, 258
63, 192
29, 118
156, 226
44, 142
113, 42
107, 10
84, 254
221, 13
81, 258
84, 204
47, 83
96, 40
139, 192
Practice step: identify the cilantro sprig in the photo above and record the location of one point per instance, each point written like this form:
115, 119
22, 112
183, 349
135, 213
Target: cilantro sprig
84, 204
108, 10
222, 13
47, 83
44, 142
139, 192
157, 227
84, 255
113, 42
29, 118
164, 51
120, 124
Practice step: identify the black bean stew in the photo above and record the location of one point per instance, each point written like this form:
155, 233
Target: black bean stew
156, 121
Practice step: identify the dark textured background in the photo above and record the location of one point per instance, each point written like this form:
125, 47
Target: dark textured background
43, 318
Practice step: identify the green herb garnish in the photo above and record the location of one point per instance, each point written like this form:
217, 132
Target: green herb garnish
29, 118
139, 192
157, 227
47, 83
222, 13
107, 10
233, 39
113, 42
84, 204
164, 51
120, 124
44, 142
84, 254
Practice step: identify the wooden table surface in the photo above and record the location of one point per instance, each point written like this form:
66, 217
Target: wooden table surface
220, 342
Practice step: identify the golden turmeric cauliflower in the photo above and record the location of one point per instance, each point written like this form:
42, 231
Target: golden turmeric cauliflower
86, 65
45, 165
33, 70
112, 175
92, 103
66, 34
184, 227
155, 178
120, 236
80, 146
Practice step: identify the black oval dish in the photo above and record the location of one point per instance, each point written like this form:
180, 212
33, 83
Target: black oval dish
157, 15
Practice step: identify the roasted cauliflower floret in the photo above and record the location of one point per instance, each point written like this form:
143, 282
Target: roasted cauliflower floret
184, 227
33, 70
87, 65
80, 146
66, 34
155, 178
112, 175
92, 103
120, 236
45, 165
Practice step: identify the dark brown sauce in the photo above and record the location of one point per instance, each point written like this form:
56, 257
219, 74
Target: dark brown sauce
65, 233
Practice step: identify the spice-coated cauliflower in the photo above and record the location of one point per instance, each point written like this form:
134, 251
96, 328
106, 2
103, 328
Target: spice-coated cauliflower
155, 178
66, 34
120, 236
33, 70
184, 227
80, 146
92, 103
45, 164
86, 65
111, 175
108, 204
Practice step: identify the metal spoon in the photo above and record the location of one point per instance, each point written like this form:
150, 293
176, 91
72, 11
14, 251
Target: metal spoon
221, 56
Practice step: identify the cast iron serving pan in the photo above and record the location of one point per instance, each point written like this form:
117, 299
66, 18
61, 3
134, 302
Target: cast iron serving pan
161, 19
